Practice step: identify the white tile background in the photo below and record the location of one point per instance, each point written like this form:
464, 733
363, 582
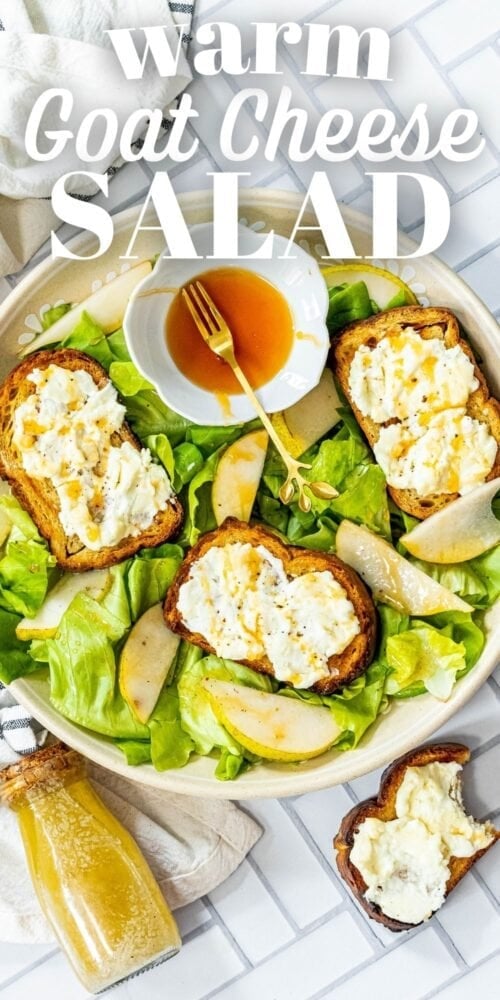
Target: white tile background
283, 927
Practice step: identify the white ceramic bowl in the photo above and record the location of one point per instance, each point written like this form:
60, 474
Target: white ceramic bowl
299, 280
409, 722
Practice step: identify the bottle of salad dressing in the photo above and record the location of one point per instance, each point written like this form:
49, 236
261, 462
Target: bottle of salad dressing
92, 881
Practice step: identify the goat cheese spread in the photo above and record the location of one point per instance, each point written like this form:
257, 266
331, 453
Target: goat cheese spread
405, 861
239, 598
64, 433
434, 446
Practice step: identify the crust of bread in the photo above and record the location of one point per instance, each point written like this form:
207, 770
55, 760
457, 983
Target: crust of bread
383, 807
429, 322
40, 498
344, 667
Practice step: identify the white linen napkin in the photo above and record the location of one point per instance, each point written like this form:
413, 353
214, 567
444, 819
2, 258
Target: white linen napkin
45, 45
191, 844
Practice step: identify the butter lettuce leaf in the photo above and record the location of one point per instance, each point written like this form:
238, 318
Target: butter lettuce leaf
83, 670
159, 446
188, 460
149, 576
230, 765
171, 746
336, 458
347, 303
136, 751
127, 379
320, 535
200, 515
364, 500
461, 627
424, 658
88, 336
15, 660
476, 581
209, 439
24, 576
50, 316
26, 565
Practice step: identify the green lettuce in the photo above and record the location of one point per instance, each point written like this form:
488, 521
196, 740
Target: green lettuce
319, 535
136, 751
230, 765
336, 458
344, 461
188, 461
26, 565
461, 627
476, 581
358, 705
209, 439
272, 512
347, 303
15, 660
149, 575
364, 500
423, 658
88, 336
50, 316
148, 414
127, 379
171, 746
160, 447
83, 670
200, 515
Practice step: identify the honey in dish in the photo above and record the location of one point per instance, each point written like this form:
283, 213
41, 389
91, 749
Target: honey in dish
259, 319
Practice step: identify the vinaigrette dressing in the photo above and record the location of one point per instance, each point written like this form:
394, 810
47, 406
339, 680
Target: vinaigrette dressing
91, 879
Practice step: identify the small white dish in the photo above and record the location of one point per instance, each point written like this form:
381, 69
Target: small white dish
299, 280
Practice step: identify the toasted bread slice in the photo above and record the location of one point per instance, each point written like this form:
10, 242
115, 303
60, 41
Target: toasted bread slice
344, 667
428, 322
383, 808
39, 497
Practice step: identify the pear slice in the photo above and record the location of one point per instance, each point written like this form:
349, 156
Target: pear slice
304, 423
47, 620
145, 661
106, 306
390, 577
270, 725
382, 285
465, 528
238, 476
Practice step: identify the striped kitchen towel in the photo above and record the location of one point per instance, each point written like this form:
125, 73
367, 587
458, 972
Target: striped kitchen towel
45, 45
19, 733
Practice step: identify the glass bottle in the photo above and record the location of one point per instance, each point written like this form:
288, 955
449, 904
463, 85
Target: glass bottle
92, 882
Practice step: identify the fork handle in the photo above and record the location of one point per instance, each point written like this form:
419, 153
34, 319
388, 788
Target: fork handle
247, 388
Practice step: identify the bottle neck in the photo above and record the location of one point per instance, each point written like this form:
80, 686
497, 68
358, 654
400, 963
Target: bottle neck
40, 773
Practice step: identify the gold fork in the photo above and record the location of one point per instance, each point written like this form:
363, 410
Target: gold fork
217, 335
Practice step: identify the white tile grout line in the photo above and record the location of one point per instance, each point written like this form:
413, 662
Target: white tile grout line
29, 968
457, 978
230, 938
452, 86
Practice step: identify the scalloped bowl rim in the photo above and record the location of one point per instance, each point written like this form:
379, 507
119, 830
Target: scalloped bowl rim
408, 723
